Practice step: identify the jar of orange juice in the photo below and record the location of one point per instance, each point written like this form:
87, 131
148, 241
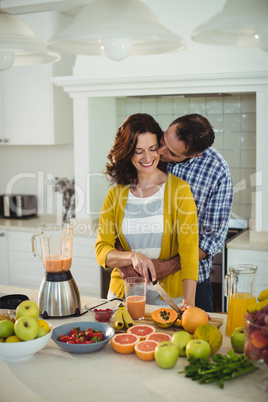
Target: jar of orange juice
240, 290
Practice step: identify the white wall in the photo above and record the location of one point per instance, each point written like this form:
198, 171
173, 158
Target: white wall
31, 170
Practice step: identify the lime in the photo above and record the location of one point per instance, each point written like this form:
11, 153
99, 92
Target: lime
6, 328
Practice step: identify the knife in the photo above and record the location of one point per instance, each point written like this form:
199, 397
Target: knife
164, 294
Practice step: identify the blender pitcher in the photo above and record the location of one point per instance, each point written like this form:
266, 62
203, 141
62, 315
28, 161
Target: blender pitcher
240, 289
58, 294
56, 245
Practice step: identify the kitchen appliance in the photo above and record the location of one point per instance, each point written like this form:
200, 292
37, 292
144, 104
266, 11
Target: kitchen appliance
18, 205
58, 294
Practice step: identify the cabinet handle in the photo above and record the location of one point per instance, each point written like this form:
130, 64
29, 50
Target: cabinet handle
5, 140
2, 234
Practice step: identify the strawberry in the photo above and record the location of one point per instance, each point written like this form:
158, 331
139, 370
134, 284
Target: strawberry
89, 333
73, 331
99, 335
64, 338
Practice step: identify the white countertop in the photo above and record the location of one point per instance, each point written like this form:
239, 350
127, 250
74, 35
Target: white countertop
55, 375
244, 242
83, 227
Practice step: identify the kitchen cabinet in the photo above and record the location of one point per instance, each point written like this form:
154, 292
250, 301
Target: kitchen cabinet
34, 111
256, 257
4, 274
27, 270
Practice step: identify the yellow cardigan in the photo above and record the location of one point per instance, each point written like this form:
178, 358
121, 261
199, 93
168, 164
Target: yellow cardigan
180, 234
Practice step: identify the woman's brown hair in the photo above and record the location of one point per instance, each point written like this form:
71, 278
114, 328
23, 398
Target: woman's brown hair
120, 170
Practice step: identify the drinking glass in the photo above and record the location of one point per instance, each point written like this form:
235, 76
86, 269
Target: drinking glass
135, 294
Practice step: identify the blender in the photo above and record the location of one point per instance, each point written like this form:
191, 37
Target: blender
58, 294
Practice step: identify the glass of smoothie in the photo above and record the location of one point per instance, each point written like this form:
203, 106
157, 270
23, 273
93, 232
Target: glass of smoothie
135, 294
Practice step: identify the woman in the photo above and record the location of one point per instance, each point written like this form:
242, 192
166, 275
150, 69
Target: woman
150, 212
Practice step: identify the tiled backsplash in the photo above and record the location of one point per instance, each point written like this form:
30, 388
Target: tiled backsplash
233, 118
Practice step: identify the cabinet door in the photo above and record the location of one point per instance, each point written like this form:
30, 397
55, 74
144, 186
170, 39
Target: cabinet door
259, 258
4, 266
85, 269
35, 112
24, 269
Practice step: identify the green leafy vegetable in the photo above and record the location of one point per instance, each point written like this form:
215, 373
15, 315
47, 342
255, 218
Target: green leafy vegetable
222, 368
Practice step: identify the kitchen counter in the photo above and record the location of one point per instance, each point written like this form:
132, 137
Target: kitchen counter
83, 227
244, 242
54, 375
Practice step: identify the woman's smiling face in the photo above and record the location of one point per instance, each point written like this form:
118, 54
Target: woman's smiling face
146, 158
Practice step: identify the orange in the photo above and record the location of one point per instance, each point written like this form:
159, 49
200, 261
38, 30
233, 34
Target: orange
141, 330
43, 324
124, 343
12, 338
159, 337
192, 317
145, 349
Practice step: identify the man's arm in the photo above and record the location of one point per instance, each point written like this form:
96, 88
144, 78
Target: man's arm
162, 268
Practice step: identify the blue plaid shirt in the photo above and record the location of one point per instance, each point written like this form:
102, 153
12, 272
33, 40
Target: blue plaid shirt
210, 180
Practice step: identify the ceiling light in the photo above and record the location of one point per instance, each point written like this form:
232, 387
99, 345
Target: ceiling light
240, 23
19, 45
117, 29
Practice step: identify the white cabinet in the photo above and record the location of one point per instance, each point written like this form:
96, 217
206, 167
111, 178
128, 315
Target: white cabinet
85, 269
4, 271
33, 110
259, 258
25, 270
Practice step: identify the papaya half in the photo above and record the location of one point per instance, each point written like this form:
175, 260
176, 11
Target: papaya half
164, 317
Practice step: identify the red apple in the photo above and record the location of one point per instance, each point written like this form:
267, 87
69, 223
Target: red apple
251, 352
258, 339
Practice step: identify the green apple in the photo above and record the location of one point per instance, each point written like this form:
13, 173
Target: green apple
6, 328
27, 308
26, 328
166, 354
181, 338
41, 332
237, 339
198, 348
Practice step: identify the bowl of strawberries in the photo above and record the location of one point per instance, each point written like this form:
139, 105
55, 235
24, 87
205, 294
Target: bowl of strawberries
82, 337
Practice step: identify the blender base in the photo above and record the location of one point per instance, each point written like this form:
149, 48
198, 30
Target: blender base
59, 295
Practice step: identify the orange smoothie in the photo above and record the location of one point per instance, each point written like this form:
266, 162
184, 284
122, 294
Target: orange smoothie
57, 264
136, 306
237, 308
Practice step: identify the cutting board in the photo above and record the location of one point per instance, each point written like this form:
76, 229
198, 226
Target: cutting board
148, 321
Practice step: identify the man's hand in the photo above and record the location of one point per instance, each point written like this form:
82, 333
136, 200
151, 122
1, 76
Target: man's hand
162, 268
167, 267
127, 272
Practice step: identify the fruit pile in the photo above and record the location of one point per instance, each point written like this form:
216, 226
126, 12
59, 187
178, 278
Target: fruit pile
149, 344
78, 337
256, 330
26, 327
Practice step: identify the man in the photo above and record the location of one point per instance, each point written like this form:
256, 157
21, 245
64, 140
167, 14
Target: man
186, 147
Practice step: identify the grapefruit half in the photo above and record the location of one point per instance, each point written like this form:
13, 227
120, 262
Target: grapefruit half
159, 337
141, 330
124, 343
145, 349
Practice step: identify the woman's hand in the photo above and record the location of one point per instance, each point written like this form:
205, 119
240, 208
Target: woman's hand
142, 265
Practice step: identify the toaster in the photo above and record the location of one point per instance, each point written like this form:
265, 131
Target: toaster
18, 205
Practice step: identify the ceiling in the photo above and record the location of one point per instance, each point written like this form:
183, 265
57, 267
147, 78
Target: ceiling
70, 7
